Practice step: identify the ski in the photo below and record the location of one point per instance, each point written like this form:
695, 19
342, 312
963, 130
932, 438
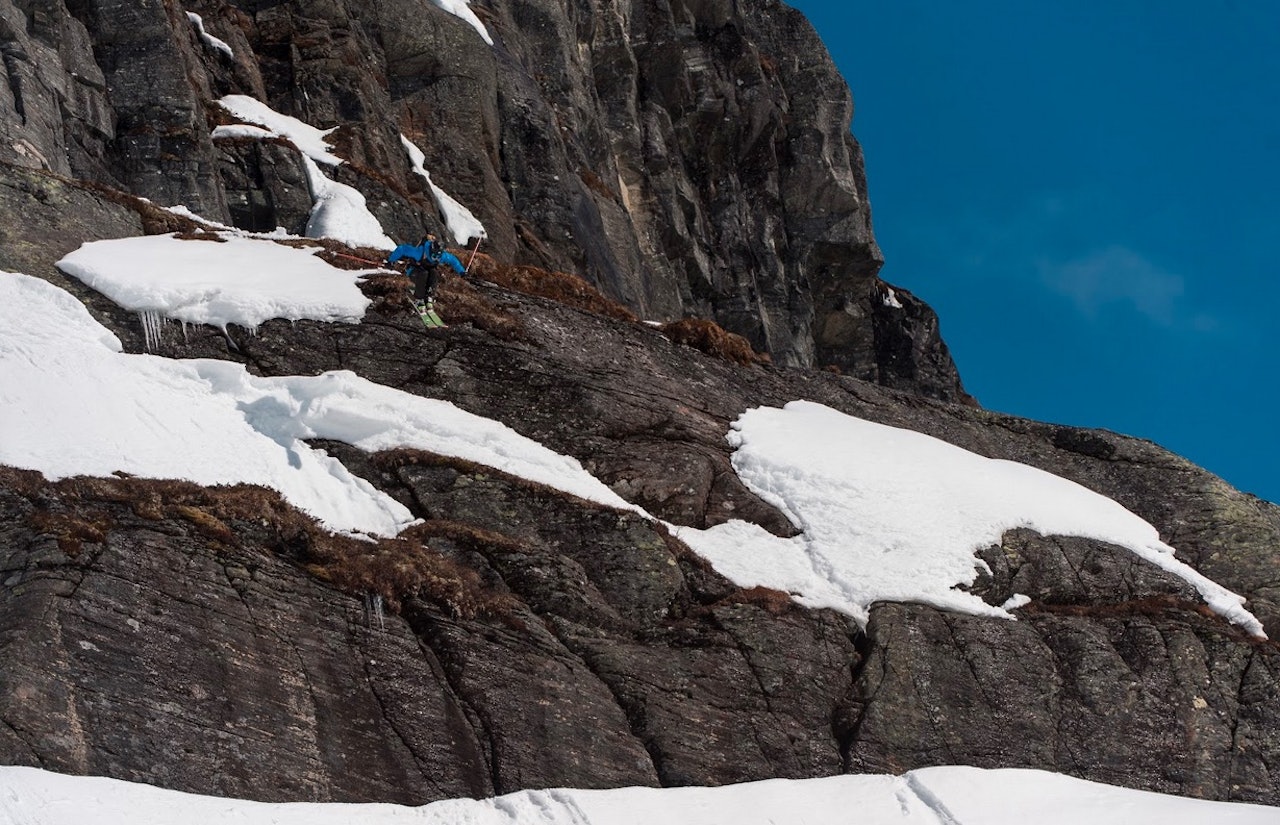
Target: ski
430, 319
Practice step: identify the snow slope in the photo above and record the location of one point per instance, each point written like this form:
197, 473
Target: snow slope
933, 796
211, 422
462, 224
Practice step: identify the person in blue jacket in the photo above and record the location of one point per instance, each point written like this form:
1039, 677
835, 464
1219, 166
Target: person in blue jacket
423, 267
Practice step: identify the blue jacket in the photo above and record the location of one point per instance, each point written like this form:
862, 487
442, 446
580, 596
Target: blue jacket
427, 253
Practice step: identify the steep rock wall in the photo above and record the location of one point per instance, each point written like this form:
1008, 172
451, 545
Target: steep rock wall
690, 159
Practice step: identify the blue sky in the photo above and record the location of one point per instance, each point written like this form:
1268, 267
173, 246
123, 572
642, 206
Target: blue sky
1088, 194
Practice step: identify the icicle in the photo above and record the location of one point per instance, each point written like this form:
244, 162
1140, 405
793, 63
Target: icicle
152, 328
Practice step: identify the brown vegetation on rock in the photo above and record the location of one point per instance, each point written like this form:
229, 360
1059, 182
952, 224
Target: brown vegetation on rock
71, 532
406, 566
200, 235
76, 511
155, 220
709, 337
461, 303
561, 287
774, 602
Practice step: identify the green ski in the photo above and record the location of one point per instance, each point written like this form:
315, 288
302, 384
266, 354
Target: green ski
428, 315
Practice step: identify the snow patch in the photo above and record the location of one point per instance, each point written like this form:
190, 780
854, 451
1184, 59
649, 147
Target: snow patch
210, 40
462, 224
310, 140
241, 280
340, 212
242, 130
894, 515
1016, 601
462, 10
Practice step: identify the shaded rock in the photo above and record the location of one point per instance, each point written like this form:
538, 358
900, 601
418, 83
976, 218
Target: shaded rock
149, 653
1141, 698
44, 217
55, 113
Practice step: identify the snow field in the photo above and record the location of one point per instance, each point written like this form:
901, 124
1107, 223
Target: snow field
951, 795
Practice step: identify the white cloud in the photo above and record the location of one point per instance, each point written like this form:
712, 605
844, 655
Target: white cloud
1117, 275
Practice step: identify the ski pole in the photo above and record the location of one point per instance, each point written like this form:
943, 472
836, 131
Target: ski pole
473, 255
354, 258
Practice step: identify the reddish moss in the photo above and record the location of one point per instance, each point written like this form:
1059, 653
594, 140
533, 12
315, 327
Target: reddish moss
561, 287
709, 337
206, 523
595, 183
403, 567
460, 302
774, 602
71, 531
200, 235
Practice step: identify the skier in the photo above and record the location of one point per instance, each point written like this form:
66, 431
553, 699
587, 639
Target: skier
424, 262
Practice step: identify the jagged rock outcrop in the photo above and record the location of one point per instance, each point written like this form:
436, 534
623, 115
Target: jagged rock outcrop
690, 159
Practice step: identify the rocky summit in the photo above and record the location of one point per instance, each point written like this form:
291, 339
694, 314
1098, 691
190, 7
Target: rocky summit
676, 231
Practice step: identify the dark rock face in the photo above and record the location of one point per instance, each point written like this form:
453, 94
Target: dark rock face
689, 159
171, 659
45, 218
1109, 652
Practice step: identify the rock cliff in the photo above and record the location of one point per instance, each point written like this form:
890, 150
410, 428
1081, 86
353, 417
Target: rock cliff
689, 159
